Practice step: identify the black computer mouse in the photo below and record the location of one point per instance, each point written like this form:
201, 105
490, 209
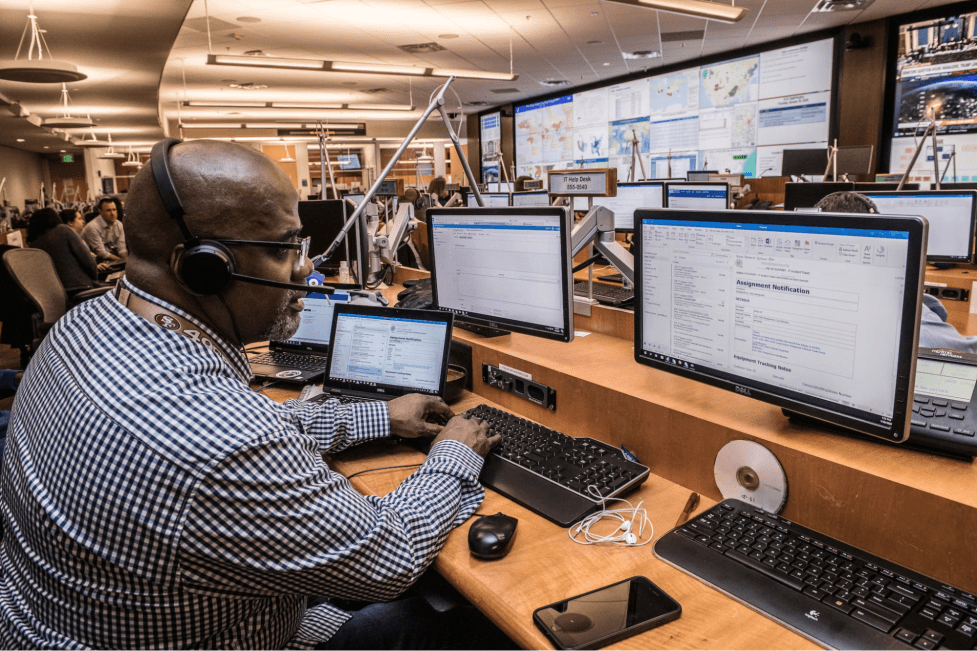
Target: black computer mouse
490, 537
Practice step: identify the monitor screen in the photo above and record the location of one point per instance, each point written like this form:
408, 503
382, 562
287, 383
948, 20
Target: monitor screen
804, 162
699, 175
504, 267
403, 350
356, 198
701, 196
630, 197
499, 186
806, 195
538, 198
814, 312
316, 324
349, 161
885, 187
855, 160
949, 212
491, 200
322, 220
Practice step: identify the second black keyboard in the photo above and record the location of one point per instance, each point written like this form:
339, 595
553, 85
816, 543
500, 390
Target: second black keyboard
549, 472
835, 594
605, 294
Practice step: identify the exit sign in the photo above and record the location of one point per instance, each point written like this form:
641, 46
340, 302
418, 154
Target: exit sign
67, 158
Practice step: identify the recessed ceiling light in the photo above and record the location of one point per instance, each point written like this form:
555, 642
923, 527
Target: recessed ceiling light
63, 150
642, 54
46, 147
248, 19
20, 140
607, 64
447, 36
476, 103
555, 82
595, 42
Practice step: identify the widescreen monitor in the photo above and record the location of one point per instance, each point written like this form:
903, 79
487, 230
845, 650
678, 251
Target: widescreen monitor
815, 312
950, 213
497, 186
322, 220
504, 268
804, 162
493, 199
349, 161
855, 160
806, 195
630, 197
702, 196
699, 175
885, 187
536, 198
958, 186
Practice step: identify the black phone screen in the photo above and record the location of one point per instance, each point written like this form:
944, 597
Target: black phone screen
607, 614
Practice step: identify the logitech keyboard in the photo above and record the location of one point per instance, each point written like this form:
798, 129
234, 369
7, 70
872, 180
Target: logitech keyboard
290, 360
549, 472
835, 594
605, 294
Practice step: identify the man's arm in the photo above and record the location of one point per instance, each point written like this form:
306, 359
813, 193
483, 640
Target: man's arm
121, 242
93, 238
82, 254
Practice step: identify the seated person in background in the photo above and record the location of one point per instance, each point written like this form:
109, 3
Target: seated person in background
73, 219
438, 187
520, 183
104, 234
72, 260
191, 511
934, 331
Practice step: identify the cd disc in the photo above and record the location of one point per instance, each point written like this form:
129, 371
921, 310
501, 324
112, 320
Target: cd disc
747, 471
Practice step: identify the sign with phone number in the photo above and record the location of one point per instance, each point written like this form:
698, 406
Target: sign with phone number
584, 183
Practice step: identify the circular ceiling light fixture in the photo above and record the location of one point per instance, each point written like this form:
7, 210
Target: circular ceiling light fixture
65, 120
111, 154
93, 141
288, 157
39, 70
132, 160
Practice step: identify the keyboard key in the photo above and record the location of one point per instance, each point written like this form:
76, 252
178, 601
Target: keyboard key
923, 643
966, 629
933, 636
872, 620
949, 620
838, 604
788, 580
906, 635
875, 609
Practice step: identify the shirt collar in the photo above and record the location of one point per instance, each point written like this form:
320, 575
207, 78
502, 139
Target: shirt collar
237, 359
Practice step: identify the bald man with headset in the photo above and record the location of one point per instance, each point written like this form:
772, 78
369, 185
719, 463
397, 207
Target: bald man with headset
150, 498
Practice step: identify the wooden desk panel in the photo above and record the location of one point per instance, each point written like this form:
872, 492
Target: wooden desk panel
546, 566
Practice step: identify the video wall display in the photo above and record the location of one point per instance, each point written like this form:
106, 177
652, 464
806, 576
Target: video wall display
734, 116
490, 135
936, 76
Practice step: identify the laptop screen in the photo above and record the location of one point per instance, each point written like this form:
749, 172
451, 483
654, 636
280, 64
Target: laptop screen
313, 332
389, 350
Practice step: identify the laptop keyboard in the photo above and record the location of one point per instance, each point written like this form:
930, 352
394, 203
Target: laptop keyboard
549, 472
290, 360
343, 400
836, 594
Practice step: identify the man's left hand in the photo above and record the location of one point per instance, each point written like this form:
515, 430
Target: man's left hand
415, 416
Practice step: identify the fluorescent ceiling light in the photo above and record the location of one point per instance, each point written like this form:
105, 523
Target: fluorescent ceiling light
312, 106
366, 68
224, 104
304, 105
697, 8
380, 107
263, 61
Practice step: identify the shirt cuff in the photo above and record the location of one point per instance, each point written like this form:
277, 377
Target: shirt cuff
367, 420
460, 453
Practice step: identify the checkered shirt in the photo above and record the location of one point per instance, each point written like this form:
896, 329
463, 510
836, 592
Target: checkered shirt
151, 499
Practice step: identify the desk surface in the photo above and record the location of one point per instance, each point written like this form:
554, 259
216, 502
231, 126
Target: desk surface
545, 566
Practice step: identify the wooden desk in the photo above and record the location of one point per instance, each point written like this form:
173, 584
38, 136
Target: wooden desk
544, 565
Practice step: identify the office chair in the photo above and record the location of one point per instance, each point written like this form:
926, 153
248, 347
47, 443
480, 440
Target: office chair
33, 271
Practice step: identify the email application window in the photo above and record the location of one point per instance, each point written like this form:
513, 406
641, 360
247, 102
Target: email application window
950, 218
379, 350
812, 310
507, 267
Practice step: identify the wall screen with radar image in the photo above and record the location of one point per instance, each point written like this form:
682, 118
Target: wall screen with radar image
505, 268
734, 116
815, 312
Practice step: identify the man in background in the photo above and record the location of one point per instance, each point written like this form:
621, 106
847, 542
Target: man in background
104, 235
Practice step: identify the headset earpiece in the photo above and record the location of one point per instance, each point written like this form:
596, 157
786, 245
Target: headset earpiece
204, 267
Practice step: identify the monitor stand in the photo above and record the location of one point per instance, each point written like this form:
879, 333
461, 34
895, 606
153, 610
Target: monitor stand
795, 417
485, 331
613, 278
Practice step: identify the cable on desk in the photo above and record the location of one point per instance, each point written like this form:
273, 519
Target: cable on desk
361, 472
625, 533
268, 384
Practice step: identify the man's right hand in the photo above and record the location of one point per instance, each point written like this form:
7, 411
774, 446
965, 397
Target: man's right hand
102, 266
472, 432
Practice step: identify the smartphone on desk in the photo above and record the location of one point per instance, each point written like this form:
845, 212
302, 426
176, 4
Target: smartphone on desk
604, 616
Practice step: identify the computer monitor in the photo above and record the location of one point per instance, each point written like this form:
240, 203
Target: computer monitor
322, 220
815, 312
504, 268
356, 198
499, 186
806, 195
885, 187
491, 199
630, 197
702, 196
854, 160
535, 198
951, 215
804, 162
958, 186
699, 175
349, 161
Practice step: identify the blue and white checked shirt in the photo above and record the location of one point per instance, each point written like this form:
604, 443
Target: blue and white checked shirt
151, 499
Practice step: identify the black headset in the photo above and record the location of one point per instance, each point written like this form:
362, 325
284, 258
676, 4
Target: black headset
203, 266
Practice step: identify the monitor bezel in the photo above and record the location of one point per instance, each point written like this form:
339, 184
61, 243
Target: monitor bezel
669, 184
848, 186
973, 218
521, 327
816, 408
633, 184
434, 316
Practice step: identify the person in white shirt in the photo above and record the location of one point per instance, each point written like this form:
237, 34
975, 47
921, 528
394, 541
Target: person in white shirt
104, 235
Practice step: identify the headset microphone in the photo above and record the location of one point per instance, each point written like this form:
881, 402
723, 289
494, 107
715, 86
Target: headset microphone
204, 266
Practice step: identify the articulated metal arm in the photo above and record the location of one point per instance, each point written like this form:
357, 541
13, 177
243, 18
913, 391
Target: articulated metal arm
597, 226
397, 229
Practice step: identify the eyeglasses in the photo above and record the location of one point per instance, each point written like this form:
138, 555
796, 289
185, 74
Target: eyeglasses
302, 246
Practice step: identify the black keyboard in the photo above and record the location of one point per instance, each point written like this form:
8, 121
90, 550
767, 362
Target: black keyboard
290, 360
835, 594
549, 472
605, 294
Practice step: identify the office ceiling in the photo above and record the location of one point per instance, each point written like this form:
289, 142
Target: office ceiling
144, 58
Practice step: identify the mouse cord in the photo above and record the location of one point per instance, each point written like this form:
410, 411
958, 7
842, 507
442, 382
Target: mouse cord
625, 534
361, 472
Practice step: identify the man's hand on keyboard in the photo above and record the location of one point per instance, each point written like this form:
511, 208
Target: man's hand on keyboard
472, 432
415, 416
